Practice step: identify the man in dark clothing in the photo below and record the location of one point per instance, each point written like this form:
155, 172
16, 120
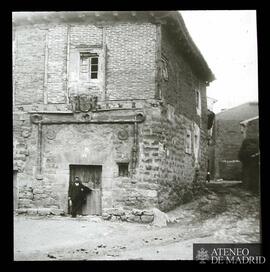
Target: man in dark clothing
208, 177
249, 155
77, 195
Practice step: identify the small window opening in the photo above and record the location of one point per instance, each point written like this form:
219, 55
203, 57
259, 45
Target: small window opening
196, 141
88, 66
198, 101
188, 142
123, 169
94, 67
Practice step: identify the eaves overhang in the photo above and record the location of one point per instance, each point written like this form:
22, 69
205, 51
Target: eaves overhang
172, 19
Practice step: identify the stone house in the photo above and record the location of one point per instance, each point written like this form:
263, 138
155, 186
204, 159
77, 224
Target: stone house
227, 139
116, 98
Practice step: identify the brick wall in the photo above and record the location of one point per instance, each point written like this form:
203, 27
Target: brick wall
56, 64
29, 64
127, 52
85, 35
179, 89
131, 61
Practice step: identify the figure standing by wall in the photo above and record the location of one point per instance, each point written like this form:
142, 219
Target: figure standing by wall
77, 194
249, 156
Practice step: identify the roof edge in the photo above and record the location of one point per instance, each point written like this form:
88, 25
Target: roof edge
249, 120
247, 103
173, 18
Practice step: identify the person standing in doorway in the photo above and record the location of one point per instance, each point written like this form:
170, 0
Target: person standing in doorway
77, 194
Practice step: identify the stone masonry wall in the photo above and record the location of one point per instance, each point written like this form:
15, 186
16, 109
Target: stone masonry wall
140, 190
93, 144
90, 145
162, 167
24, 158
165, 170
177, 170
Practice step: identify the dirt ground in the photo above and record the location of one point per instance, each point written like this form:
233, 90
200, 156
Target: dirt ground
225, 214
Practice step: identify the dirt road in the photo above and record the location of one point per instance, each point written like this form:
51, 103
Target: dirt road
224, 215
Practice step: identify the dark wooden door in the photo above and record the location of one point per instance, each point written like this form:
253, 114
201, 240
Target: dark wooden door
90, 175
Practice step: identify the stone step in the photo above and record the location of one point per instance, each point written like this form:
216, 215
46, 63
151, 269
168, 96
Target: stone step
40, 211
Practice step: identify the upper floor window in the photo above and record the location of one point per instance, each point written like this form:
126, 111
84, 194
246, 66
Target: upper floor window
198, 101
196, 144
88, 66
188, 142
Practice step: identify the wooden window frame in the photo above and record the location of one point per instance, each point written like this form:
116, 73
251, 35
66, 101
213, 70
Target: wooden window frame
89, 64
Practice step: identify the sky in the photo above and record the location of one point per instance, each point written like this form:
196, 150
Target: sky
228, 41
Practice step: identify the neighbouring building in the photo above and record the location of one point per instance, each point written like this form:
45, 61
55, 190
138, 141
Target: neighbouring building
227, 138
116, 98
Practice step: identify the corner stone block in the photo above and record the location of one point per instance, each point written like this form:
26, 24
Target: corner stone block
137, 219
147, 218
106, 216
130, 217
137, 212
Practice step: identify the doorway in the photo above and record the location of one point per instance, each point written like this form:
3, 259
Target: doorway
90, 175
